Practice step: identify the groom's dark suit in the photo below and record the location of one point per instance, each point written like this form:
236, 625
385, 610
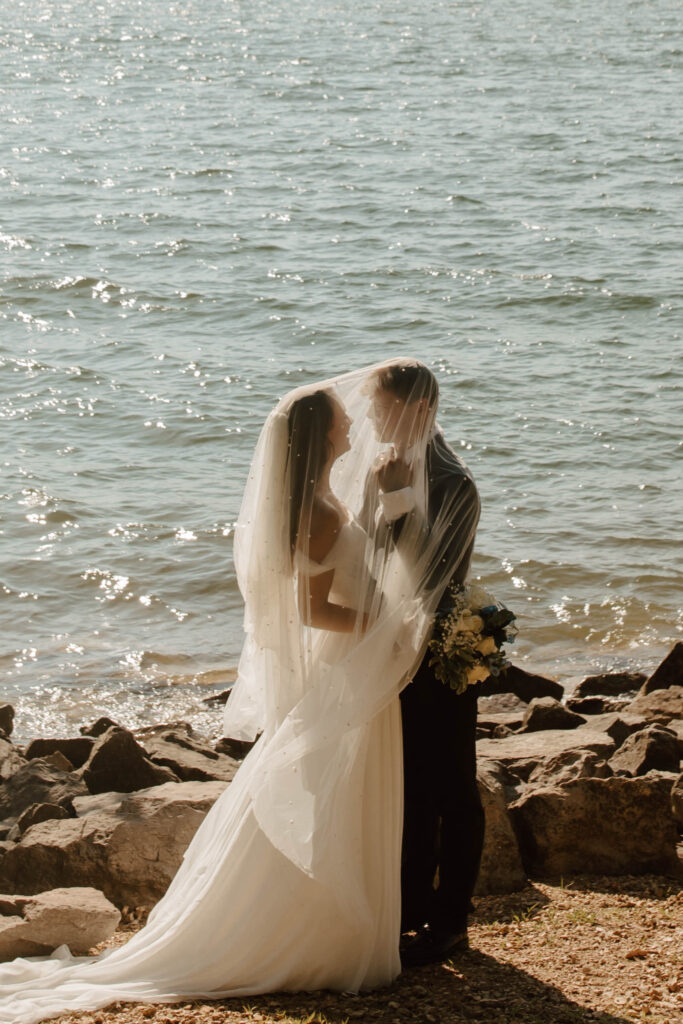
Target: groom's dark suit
444, 819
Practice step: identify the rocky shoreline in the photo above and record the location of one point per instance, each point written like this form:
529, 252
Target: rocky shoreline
94, 826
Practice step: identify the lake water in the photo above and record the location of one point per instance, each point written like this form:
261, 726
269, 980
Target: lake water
204, 204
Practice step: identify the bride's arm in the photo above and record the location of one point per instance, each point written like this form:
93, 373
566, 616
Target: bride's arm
318, 611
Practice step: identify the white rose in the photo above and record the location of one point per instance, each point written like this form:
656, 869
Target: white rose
486, 646
474, 623
478, 597
477, 674
460, 625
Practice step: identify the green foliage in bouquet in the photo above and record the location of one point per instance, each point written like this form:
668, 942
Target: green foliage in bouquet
466, 645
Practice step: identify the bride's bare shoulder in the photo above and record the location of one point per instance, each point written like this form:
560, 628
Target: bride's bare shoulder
326, 521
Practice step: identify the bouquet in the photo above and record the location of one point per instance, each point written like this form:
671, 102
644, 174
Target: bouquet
466, 645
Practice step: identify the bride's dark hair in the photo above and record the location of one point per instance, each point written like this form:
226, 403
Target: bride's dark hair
309, 421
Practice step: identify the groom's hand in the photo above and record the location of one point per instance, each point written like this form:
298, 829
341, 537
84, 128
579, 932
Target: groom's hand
394, 474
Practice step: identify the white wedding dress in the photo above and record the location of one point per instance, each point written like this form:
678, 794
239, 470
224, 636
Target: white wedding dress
293, 879
240, 917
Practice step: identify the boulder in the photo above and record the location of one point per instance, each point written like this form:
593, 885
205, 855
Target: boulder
119, 764
500, 703
189, 758
76, 750
510, 719
501, 867
570, 764
36, 813
677, 801
619, 725
676, 725
128, 845
218, 698
6, 718
614, 826
179, 725
523, 684
237, 749
654, 748
36, 925
547, 713
668, 673
590, 705
11, 759
660, 705
98, 727
41, 781
610, 684
521, 752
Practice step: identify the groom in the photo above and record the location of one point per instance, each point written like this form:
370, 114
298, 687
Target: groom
443, 830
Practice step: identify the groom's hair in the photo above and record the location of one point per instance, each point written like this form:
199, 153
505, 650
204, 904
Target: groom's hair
408, 381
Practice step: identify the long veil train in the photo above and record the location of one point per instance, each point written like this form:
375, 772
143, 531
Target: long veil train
292, 880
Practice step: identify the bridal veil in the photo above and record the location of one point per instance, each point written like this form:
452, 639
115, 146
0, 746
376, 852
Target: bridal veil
307, 695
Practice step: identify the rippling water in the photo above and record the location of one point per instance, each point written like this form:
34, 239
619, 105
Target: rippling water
205, 204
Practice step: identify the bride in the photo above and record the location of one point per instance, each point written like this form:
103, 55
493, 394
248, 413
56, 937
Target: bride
292, 882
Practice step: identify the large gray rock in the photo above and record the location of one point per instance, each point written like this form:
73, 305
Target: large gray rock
522, 752
99, 727
677, 801
596, 705
6, 718
654, 748
511, 720
500, 703
668, 673
501, 867
610, 684
661, 705
36, 925
615, 826
39, 782
189, 758
547, 713
37, 813
570, 764
11, 759
128, 845
76, 749
119, 764
523, 684
676, 726
236, 749
619, 725
218, 698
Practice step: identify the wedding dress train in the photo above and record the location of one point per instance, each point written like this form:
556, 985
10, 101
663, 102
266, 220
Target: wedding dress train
240, 917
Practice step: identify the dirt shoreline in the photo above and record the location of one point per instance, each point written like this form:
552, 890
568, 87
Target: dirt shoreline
592, 949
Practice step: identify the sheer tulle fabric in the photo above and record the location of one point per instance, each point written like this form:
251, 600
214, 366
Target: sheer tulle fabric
292, 881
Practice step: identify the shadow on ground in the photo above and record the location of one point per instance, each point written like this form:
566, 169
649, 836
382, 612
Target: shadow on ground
511, 907
476, 988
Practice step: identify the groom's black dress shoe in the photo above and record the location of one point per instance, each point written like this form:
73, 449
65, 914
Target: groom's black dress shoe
433, 947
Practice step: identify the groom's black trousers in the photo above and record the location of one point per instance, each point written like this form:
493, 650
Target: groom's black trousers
444, 818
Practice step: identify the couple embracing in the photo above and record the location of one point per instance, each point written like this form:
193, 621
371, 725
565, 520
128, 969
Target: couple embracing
356, 519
